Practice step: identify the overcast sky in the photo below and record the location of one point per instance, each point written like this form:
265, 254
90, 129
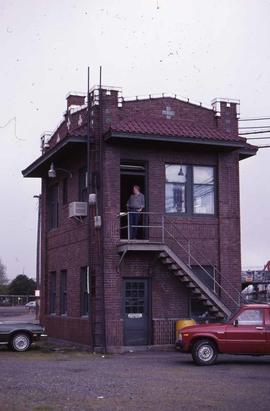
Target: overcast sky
199, 49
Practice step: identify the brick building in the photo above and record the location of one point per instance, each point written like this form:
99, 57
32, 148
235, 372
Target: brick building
103, 289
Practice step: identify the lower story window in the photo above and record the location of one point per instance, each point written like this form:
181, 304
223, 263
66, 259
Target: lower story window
84, 291
53, 292
63, 292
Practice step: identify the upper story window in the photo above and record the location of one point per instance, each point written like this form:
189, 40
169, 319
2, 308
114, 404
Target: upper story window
83, 184
190, 189
53, 200
65, 191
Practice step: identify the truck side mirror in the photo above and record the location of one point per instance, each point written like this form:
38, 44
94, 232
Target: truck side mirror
235, 323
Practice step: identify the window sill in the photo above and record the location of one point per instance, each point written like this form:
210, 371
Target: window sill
187, 215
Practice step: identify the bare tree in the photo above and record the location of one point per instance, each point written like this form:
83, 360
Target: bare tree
3, 274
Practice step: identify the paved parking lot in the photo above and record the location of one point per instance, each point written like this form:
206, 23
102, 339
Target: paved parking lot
44, 380
17, 313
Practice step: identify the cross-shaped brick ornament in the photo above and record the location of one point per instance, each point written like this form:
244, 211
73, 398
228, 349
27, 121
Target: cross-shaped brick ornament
169, 113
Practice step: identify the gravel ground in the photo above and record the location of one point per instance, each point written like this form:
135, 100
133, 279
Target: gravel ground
43, 380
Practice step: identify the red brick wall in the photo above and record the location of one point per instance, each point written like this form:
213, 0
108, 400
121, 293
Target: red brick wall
217, 237
65, 248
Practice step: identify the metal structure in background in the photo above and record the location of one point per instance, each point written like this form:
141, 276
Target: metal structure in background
161, 230
15, 300
256, 284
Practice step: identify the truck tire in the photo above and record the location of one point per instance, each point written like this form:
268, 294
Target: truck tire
204, 352
20, 342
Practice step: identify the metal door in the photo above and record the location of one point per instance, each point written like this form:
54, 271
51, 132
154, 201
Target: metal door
136, 310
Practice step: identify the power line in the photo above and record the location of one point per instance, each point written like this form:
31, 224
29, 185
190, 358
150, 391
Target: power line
254, 127
254, 132
263, 146
254, 119
258, 138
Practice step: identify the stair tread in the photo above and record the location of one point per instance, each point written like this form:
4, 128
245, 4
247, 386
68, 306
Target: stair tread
193, 282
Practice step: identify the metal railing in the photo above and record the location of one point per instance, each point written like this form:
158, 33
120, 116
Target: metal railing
158, 228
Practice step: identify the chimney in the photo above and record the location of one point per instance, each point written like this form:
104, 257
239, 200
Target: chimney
227, 113
75, 100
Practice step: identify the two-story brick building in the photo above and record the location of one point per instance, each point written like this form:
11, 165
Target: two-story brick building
103, 289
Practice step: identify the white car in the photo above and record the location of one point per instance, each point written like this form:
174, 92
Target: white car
31, 304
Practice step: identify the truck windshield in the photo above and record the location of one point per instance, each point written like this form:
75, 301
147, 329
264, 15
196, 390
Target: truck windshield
229, 318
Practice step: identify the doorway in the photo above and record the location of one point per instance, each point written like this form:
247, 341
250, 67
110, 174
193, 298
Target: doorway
132, 173
136, 312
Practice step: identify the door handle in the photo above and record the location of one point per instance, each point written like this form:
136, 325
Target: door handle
259, 328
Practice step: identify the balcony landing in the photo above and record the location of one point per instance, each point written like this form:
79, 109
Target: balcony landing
139, 245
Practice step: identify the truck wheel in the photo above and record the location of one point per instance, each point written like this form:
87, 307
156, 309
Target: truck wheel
204, 352
20, 342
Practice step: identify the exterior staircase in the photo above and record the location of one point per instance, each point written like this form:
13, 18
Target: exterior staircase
183, 272
197, 288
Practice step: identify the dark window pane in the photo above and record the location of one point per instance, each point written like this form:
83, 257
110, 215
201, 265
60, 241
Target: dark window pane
63, 292
65, 191
53, 206
53, 292
84, 291
83, 184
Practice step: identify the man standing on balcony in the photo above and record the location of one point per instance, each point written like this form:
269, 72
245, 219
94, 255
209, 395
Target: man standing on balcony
135, 206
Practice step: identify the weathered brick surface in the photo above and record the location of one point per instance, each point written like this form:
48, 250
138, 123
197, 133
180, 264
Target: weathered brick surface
214, 239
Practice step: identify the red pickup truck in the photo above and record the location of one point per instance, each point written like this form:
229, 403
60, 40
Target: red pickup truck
246, 332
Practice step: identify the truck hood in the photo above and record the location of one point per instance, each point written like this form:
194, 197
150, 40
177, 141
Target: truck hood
212, 327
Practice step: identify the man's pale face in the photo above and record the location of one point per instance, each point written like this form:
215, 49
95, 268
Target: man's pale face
136, 191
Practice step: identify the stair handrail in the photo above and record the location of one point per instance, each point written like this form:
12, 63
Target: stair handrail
207, 261
202, 267
164, 221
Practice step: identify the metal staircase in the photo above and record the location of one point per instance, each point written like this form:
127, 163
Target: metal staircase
169, 247
197, 288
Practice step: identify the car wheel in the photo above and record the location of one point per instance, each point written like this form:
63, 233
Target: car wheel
20, 342
204, 352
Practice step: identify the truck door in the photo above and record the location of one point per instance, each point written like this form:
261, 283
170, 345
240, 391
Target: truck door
247, 335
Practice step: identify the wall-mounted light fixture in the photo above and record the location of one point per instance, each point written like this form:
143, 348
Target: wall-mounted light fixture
52, 171
92, 199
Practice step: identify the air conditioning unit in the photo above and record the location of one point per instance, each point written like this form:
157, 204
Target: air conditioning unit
77, 209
